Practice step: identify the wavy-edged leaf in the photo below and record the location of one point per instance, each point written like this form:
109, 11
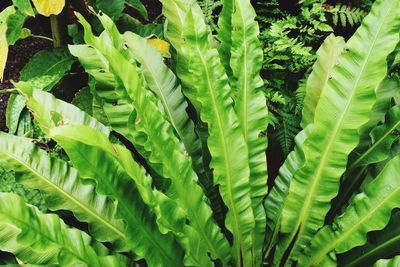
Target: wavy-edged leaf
368, 211
385, 92
250, 107
137, 4
151, 133
39, 238
382, 139
275, 200
163, 82
393, 262
50, 112
206, 85
142, 233
61, 187
327, 56
49, 7
344, 106
170, 217
381, 244
224, 34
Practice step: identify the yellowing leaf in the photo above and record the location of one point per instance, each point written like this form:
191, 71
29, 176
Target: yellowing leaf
161, 46
49, 7
3, 38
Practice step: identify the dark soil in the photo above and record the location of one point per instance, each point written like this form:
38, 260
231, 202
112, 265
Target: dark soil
19, 54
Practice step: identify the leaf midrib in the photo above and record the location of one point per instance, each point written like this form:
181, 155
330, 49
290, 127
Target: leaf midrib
62, 192
344, 235
306, 210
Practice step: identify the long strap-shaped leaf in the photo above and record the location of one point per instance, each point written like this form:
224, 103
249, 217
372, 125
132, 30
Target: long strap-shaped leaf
46, 107
250, 107
140, 226
344, 106
382, 139
276, 197
148, 129
393, 262
62, 188
163, 82
327, 56
368, 211
385, 92
381, 244
170, 217
206, 86
39, 238
142, 233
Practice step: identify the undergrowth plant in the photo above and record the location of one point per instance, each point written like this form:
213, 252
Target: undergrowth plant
169, 167
291, 38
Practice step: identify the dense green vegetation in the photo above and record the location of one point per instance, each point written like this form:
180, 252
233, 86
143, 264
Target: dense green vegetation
157, 154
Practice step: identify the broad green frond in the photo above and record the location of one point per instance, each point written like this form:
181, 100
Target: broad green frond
39, 238
344, 106
205, 83
327, 56
368, 211
62, 188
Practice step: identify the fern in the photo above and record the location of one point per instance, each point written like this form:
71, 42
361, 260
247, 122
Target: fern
288, 129
344, 15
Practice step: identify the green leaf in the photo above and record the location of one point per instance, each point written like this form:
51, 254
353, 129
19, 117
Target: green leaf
393, 262
62, 188
46, 68
142, 232
163, 82
84, 100
381, 244
205, 84
344, 106
15, 106
25, 126
250, 106
276, 197
327, 56
39, 238
45, 107
385, 91
24, 6
368, 211
136, 4
152, 134
15, 27
382, 139
113, 8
